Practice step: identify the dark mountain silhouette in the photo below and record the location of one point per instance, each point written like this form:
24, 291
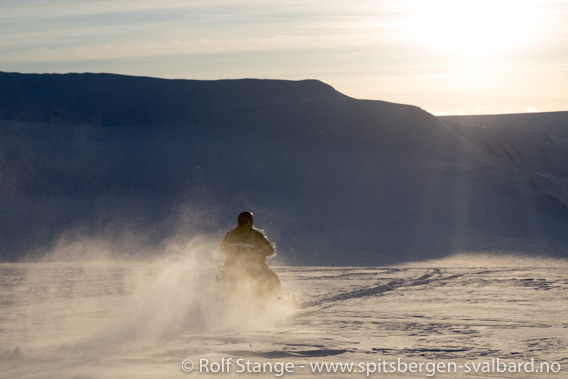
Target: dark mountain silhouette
334, 180
115, 100
552, 123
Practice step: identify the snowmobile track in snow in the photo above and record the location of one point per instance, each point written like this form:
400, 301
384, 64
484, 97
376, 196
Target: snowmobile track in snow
430, 276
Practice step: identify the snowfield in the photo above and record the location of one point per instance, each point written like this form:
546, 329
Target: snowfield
116, 191
464, 316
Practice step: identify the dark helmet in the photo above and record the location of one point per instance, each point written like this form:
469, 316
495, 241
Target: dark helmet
245, 218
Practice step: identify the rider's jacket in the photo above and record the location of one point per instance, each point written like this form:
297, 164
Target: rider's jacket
247, 246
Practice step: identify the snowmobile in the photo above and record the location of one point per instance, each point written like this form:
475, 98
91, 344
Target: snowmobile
256, 282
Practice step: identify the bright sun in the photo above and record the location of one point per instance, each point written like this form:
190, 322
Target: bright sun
475, 28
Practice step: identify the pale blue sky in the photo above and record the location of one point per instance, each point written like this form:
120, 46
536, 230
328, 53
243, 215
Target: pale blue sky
446, 56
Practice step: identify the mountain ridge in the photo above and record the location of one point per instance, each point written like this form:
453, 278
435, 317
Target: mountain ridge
102, 99
334, 180
553, 123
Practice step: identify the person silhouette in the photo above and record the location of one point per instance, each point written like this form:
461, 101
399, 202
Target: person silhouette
246, 249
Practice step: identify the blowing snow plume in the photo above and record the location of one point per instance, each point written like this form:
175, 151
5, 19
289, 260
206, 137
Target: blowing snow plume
63, 312
182, 297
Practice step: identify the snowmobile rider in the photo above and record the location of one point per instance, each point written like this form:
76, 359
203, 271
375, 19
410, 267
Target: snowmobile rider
246, 247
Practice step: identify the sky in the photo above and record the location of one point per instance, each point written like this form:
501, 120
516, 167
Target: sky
445, 56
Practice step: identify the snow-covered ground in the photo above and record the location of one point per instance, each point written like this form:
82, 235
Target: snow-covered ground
142, 320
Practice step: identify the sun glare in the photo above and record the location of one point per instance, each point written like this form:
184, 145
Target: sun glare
474, 28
